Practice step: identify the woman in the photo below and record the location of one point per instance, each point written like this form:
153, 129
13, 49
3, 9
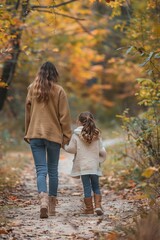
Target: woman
47, 128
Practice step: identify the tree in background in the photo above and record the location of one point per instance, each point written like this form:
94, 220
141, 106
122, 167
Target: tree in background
13, 17
82, 41
86, 54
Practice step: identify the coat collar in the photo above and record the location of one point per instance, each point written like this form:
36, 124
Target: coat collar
78, 130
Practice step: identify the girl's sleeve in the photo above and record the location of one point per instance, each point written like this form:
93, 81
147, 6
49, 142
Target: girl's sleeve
102, 152
72, 146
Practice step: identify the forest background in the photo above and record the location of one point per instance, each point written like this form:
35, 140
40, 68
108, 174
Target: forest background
84, 41
108, 56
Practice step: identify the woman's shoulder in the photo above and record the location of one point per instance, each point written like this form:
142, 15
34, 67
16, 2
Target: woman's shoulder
30, 86
59, 89
58, 86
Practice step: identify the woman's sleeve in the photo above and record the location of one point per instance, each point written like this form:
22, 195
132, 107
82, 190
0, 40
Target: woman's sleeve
64, 117
72, 146
27, 112
102, 152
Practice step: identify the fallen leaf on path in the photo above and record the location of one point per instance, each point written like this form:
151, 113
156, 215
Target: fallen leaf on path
16, 223
106, 192
139, 197
12, 198
3, 231
113, 217
111, 236
76, 194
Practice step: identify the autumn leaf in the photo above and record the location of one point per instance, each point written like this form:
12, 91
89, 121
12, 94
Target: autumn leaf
139, 197
112, 236
12, 198
3, 84
149, 172
3, 231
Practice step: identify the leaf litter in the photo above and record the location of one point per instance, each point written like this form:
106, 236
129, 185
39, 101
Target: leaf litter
21, 210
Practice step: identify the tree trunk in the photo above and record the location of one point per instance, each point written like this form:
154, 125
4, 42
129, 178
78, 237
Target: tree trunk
10, 64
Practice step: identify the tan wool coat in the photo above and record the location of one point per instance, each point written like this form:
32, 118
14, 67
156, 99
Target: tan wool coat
87, 157
50, 120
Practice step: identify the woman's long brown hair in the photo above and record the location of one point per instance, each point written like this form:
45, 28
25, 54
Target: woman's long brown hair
89, 132
47, 75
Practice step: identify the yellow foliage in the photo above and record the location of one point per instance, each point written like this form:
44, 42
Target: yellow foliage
3, 84
149, 172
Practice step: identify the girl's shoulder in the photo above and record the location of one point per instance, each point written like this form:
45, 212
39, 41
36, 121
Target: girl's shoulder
75, 135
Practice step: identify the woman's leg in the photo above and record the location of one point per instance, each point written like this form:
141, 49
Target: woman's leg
53, 151
86, 185
95, 183
39, 155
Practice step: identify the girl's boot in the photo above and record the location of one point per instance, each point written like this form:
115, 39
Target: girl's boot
97, 202
52, 205
43, 205
88, 206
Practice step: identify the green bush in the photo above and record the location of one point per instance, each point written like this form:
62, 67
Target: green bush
144, 135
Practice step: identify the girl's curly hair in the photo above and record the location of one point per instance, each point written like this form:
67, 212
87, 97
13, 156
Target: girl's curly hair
89, 132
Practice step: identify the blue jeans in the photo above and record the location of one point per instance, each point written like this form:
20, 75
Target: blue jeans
90, 183
46, 158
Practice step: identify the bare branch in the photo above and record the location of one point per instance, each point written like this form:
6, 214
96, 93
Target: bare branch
65, 15
61, 14
51, 7
84, 28
74, 18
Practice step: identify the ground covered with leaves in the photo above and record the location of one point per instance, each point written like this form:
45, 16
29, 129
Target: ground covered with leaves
20, 207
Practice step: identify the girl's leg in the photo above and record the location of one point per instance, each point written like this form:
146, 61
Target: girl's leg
97, 194
95, 183
53, 151
39, 155
86, 185
87, 194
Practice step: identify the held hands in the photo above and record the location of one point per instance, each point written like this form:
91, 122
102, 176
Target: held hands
65, 142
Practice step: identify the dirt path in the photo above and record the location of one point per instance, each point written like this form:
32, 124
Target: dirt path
68, 223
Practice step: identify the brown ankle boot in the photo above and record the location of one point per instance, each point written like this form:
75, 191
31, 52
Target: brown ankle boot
52, 205
97, 202
43, 205
88, 206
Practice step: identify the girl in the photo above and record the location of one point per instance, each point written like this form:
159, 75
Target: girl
47, 127
89, 153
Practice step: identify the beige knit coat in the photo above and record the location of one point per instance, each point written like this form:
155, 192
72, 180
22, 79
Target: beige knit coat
87, 157
50, 120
